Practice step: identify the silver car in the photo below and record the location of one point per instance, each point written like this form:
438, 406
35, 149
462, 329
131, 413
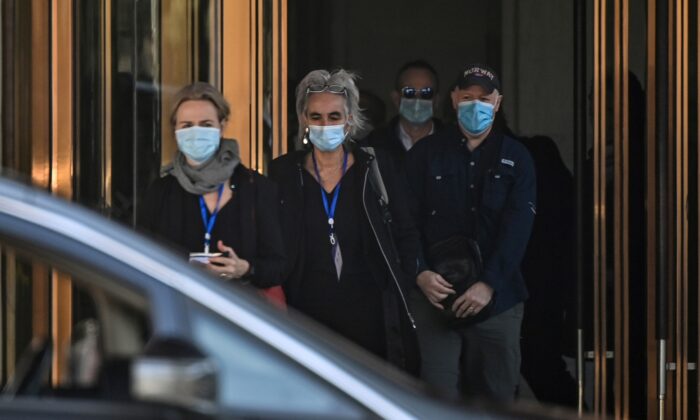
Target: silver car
154, 337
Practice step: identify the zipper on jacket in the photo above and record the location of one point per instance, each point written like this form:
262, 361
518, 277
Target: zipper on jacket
386, 259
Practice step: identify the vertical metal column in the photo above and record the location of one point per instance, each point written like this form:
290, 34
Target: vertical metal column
662, 30
106, 42
579, 172
62, 150
621, 208
600, 175
680, 206
279, 78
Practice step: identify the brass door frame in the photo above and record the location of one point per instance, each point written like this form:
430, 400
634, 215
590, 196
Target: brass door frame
673, 230
621, 210
26, 147
611, 109
243, 76
651, 215
61, 165
44, 148
279, 78
41, 146
106, 58
176, 56
599, 206
670, 356
679, 161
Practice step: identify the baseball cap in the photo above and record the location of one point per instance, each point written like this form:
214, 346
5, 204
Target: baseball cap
480, 75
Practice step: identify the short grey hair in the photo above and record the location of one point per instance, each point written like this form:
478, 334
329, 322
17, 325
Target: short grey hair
356, 120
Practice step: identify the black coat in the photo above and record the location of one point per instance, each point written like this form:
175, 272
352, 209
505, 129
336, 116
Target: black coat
261, 244
394, 233
387, 137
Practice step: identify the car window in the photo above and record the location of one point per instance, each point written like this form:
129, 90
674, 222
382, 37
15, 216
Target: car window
100, 325
256, 378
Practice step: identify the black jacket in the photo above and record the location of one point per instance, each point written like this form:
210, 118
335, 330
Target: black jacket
494, 185
162, 216
392, 228
387, 138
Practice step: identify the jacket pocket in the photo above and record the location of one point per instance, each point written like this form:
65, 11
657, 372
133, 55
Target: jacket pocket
497, 186
441, 189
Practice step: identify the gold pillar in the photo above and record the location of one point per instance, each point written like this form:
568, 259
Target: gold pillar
680, 262
611, 197
27, 151
40, 98
651, 347
106, 34
621, 208
678, 401
243, 76
177, 60
237, 45
279, 78
61, 165
257, 95
39, 140
599, 209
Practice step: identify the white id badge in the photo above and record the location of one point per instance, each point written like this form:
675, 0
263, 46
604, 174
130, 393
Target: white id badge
203, 257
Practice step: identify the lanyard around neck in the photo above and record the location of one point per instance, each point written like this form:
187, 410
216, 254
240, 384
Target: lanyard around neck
209, 221
330, 210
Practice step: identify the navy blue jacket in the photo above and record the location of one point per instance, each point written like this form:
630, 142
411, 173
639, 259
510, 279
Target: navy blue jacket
487, 194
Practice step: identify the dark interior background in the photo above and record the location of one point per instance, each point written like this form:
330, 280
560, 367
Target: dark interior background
530, 45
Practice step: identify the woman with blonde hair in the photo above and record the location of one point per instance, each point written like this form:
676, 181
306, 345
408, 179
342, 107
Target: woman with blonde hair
208, 204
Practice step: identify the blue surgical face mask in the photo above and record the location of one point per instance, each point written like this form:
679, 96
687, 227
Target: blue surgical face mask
198, 143
416, 111
475, 117
327, 137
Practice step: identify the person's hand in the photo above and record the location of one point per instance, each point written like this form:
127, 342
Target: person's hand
434, 287
228, 266
473, 300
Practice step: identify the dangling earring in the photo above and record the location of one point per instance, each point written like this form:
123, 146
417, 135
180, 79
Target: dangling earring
305, 139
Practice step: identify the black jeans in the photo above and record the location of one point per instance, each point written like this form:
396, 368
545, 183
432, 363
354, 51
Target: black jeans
482, 360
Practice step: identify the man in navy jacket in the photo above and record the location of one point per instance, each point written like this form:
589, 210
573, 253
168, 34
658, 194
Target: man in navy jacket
472, 180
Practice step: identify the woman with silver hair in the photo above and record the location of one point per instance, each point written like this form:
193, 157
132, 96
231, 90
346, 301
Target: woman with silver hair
351, 245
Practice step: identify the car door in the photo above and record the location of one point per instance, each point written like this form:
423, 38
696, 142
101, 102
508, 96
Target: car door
131, 313
172, 342
112, 322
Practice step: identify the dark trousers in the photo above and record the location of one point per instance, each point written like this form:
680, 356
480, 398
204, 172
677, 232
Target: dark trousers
482, 360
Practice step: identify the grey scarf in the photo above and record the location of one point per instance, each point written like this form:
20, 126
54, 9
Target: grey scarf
208, 176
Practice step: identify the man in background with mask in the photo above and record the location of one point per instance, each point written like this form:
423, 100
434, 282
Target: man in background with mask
415, 96
473, 181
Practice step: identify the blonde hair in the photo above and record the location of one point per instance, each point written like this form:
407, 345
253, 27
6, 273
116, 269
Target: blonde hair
200, 91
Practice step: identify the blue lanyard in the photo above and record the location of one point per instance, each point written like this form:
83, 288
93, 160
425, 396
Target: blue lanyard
209, 221
330, 212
